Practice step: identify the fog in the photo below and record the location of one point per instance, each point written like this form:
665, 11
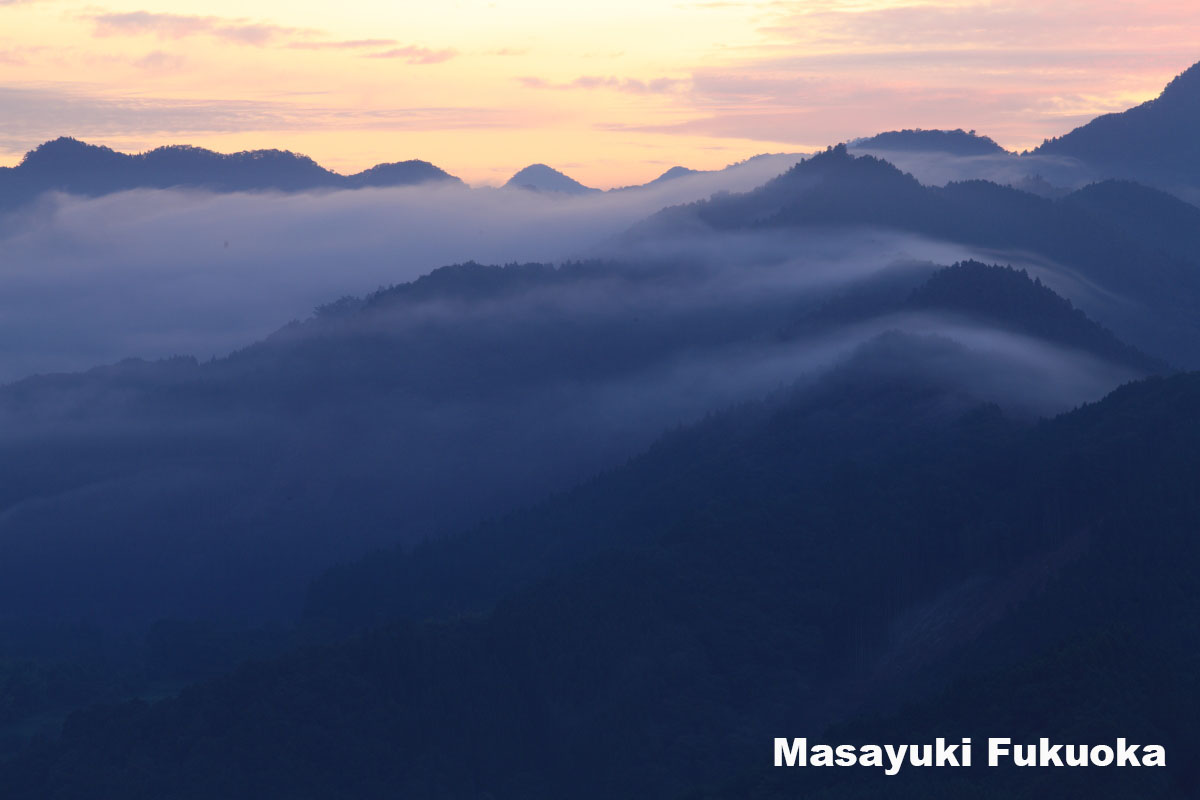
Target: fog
1027, 172
420, 411
158, 273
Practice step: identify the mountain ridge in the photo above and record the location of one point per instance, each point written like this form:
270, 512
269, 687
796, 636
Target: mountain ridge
1153, 141
70, 165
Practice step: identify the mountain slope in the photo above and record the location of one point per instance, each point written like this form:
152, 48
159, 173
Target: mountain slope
766, 591
541, 178
469, 572
1155, 141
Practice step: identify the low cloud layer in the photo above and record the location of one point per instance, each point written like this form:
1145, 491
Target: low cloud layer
153, 274
158, 273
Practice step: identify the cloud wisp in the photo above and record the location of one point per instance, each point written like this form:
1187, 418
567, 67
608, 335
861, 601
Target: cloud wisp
180, 26
417, 55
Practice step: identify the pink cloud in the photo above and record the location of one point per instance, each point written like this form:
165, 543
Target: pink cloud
179, 26
631, 85
344, 44
417, 55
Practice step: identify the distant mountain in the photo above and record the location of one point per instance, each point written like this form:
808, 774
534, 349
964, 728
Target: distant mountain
1156, 141
1148, 256
69, 165
672, 174
400, 173
542, 178
956, 142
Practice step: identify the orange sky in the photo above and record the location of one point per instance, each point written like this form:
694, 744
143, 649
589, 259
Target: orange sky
612, 93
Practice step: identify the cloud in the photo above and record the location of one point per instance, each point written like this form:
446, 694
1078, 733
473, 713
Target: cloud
256, 34
964, 26
344, 44
631, 85
179, 26
146, 273
160, 61
417, 55
33, 115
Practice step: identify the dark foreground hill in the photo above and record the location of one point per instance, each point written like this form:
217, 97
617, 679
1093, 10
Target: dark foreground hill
834, 553
68, 165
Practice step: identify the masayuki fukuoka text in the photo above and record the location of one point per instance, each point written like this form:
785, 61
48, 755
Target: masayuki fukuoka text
957, 753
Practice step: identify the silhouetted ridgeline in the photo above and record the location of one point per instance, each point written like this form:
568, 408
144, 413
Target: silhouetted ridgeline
542, 178
68, 165
957, 142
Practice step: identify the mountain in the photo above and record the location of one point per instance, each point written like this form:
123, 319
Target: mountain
777, 569
475, 569
69, 165
1153, 142
400, 173
419, 410
998, 295
541, 178
1147, 257
672, 174
957, 142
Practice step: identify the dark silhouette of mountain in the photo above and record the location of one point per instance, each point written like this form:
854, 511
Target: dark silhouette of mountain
956, 142
1155, 141
415, 411
400, 173
994, 294
541, 178
474, 570
1145, 257
68, 165
809, 560
1010, 298
1162, 219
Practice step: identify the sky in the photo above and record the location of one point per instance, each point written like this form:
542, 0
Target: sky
612, 92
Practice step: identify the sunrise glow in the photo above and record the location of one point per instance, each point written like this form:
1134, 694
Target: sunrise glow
612, 93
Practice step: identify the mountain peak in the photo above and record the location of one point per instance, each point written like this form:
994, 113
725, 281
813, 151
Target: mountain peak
66, 151
673, 173
542, 178
956, 142
1184, 87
